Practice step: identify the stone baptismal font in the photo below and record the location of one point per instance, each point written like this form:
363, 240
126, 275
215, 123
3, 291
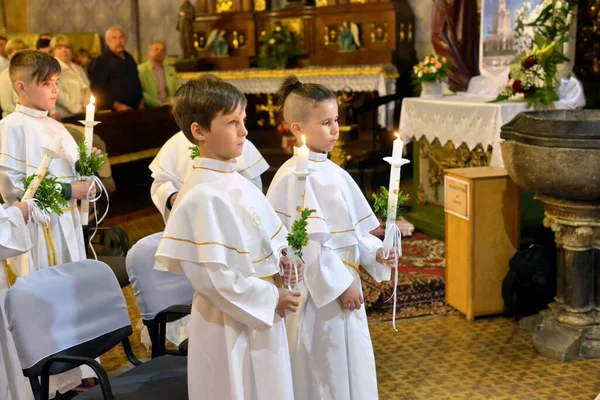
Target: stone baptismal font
556, 155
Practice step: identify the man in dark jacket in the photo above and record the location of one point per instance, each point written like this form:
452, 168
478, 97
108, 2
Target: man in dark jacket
114, 76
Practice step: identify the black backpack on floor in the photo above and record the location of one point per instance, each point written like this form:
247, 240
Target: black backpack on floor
530, 285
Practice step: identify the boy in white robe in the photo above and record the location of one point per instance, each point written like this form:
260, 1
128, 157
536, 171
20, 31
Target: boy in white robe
14, 240
173, 164
34, 76
225, 237
330, 345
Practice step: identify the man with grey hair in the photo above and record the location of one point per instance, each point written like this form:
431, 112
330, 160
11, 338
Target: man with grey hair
114, 77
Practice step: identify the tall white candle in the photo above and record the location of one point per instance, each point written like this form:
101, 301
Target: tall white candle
398, 146
89, 129
89, 110
302, 162
393, 189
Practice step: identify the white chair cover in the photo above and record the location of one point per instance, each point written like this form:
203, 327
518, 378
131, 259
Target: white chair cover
60, 307
156, 290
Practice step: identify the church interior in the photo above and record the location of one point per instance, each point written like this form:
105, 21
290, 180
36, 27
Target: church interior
481, 115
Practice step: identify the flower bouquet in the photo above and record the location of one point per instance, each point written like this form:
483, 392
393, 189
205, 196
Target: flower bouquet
430, 73
540, 34
277, 46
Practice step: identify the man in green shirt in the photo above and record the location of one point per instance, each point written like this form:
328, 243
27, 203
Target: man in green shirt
159, 80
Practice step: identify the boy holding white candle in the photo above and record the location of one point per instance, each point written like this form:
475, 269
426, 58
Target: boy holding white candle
330, 345
225, 237
34, 76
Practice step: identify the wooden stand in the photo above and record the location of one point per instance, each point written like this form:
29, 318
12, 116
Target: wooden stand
482, 234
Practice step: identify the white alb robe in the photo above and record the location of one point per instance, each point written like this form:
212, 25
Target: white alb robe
170, 168
173, 164
224, 236
14, 240
21, 135
330, 348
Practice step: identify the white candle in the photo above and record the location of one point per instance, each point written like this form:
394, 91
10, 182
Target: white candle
398, 146
42, 169
302, 162
89, 110
393, 189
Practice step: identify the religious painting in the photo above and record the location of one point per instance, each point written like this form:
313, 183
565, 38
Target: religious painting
503, 34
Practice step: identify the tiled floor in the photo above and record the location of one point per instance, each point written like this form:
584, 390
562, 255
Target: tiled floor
447, 357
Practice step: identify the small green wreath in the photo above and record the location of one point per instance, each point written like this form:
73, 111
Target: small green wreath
194, 152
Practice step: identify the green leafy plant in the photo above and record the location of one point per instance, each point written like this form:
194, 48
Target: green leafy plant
381, 203
89, 163
297, 238
48, 195
194, 152
277, 46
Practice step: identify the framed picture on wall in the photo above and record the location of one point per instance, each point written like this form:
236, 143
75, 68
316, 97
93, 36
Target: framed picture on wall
503, 36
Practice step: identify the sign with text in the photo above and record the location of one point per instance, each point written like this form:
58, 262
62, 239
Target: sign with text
456, 197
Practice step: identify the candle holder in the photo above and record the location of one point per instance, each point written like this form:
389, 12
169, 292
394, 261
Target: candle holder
89, 123
396, 162
49, 152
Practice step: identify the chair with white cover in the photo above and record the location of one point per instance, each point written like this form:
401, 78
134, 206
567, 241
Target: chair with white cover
164, 298
66, 316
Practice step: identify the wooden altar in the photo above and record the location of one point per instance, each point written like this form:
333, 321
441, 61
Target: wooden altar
386, 30
350, 83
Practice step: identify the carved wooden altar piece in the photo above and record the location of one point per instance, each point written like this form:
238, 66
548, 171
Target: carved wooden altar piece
386, 31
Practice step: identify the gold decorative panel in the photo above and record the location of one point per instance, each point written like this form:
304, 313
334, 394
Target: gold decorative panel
224, 5
379, 33
260, 5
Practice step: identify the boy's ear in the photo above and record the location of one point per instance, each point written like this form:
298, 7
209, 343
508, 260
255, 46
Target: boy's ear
19, 87
295, 128
198, 132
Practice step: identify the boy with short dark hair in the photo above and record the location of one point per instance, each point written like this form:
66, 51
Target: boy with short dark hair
225, 237
34, 76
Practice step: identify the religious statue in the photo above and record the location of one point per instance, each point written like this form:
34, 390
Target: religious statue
219, 42
349, 37
185, 26
455, 35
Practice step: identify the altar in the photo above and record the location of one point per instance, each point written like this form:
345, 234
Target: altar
455, 132
347, 81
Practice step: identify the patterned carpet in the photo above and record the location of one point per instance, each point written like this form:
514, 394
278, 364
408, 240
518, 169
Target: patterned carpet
421, 282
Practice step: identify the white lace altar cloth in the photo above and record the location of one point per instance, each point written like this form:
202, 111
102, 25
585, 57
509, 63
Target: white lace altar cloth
468, 119
365, 78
